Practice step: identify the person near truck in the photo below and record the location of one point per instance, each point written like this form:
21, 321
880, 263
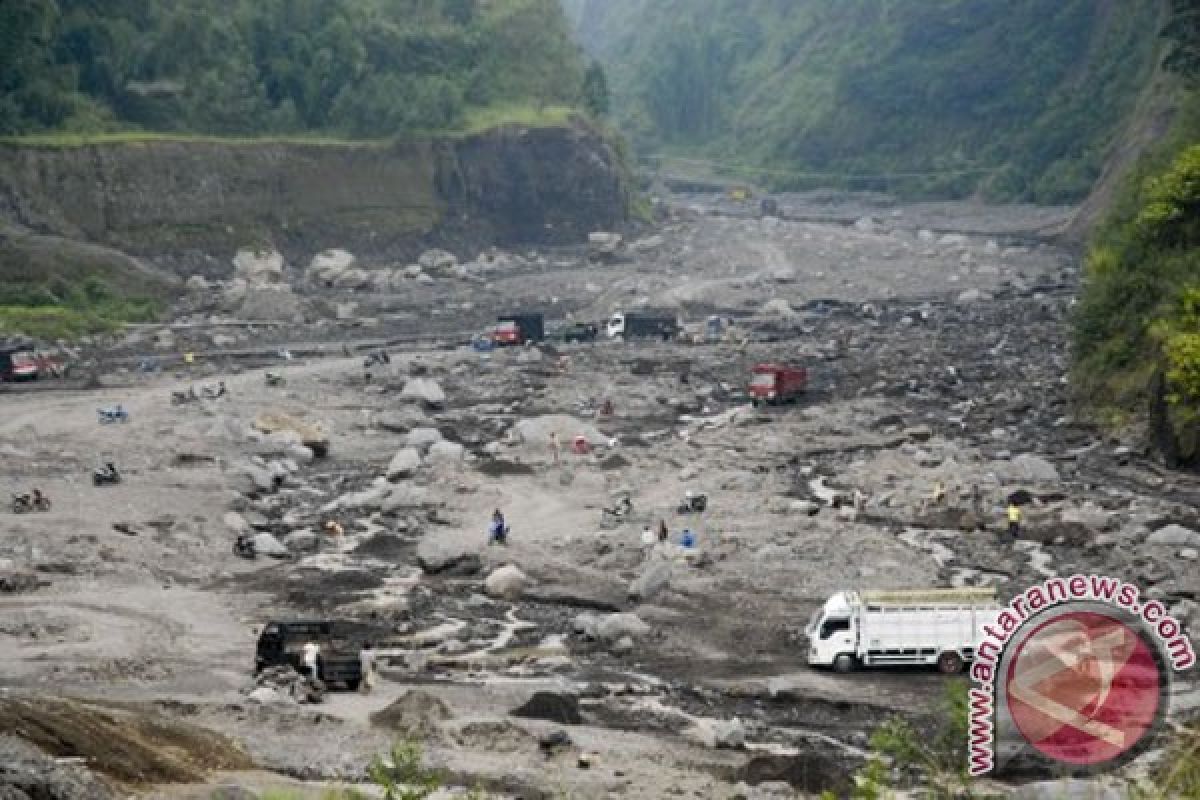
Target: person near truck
311, 655
366, 663
1014, 519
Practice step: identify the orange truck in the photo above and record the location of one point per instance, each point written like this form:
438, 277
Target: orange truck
773, 384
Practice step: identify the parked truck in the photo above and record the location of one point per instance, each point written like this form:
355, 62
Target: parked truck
939, 627
282, 644
775, 383
642, 324
519, 329
18, 364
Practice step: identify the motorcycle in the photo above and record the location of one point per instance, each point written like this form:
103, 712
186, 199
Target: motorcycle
612, 516
25, 503
213, 392
108, 416
243, 546
184, 398
106, 475
693, 504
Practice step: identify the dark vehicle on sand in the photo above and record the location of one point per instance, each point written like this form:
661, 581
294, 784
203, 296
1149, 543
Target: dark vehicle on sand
281, 643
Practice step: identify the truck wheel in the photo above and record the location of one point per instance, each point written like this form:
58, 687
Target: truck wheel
354, 684
949, 663
844, 663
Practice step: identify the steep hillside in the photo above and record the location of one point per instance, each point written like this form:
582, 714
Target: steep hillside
1018, 98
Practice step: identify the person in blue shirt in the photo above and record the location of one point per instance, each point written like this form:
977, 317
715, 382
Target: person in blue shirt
688, 540
498, 530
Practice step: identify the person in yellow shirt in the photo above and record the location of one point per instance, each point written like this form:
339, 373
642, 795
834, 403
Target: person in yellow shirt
1014, 519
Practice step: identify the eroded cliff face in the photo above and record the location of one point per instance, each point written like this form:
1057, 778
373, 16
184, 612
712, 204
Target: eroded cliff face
170, 198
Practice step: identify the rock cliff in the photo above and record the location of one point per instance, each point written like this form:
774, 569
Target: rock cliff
169, 198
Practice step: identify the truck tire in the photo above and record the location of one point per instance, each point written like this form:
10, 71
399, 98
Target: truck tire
950, 663
353, 685
845, 663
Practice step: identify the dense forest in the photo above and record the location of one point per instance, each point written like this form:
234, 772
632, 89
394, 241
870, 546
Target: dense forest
361, 68
1137, 333
1019, 98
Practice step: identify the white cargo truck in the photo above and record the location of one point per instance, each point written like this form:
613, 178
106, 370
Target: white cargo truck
902, 627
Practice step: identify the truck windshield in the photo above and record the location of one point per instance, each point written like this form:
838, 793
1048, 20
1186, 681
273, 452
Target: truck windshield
764, 380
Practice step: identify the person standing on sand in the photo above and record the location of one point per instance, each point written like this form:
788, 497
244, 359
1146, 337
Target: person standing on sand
555, 447
366, 663
1014, 519
310, 657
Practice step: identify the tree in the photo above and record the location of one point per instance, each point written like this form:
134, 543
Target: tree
595, 90
1183, 29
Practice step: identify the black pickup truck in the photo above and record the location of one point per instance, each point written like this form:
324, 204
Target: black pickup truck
281, 643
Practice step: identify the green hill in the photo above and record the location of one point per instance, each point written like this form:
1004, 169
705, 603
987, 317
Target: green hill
1017, 98
354, 68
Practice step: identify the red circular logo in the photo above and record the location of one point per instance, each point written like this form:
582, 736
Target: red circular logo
1084, 687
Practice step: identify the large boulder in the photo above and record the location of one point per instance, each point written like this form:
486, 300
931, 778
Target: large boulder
258, 268
267, 545
403, 497
535, 432
404, 464
717, 733
424, 390
270, 303
1174, 536
1027, 468
326, 266
416, 714
655, 577
437, 260
608, 628
311, 435
352, 279
559, 707
437, 556
302, 541
446, 453
506, 582
423, 438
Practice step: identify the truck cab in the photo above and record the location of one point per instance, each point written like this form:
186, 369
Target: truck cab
832, 631
519, 329
772, 384
18, 365
281, 643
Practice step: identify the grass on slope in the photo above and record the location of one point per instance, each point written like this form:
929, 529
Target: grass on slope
476, 121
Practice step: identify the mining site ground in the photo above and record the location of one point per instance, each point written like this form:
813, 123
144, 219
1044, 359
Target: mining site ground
935, 356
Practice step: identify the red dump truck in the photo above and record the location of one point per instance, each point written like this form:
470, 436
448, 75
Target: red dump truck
773, 384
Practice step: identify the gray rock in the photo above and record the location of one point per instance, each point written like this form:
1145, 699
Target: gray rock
1070, 789
404, 464
1027, 468
435, 260
402, 420
424, 390
404, 496
267, 545
610, 627
438, 557
446, 453
423, 438
302, 541
718, 733
236, 523
507, 583
266, 696
655, 577
559, 707
1175, 536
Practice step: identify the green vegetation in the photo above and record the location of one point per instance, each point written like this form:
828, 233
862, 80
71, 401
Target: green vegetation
358, 69
54, 289
1018, 99
941, 758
